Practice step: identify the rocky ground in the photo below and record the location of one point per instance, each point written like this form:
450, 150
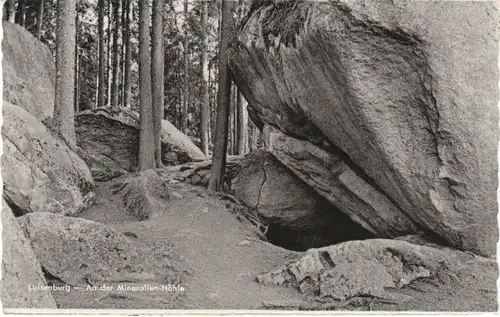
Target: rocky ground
216, 256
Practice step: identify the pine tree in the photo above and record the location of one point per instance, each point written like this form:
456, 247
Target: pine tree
116, 54
65, 72
223, 103
185, 104
21, 13
146, 134
127, 85
157, 75
39, 19
11, 11
205, 105
102, 56
242, 124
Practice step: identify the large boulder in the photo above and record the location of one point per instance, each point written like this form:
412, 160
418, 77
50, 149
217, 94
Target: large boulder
373, 268
406, 92
109, 141
297, 217
40, 172
329, 174
21, 271
28, 72
78, 251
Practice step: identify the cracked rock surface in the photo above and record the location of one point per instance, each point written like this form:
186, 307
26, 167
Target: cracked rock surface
295, 214
40, 173
404, 90
373, 268
81, 252
28, 71
109, 141
20, 268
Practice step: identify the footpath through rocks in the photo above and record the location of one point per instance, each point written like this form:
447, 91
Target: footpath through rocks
218, 257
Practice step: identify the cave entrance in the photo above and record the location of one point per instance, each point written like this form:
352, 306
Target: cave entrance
332, 228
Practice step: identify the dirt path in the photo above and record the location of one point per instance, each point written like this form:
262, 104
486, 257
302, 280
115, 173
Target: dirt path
221, 255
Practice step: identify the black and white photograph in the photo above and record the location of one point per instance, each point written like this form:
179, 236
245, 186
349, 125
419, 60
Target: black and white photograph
249, 156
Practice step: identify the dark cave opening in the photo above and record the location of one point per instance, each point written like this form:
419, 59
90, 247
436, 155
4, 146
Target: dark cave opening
335, 229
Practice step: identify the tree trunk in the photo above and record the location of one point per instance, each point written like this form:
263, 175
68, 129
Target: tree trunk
223, 103
205, 105
185, 105
77, 61
78, 82
242, 124
21, 13
122, 54
210, 102
157, 75
255, 137
102, 57
109, 55
127, 95
235, 120
230, 146
11, 11
116, 55
65, 72
146, 135
39, 19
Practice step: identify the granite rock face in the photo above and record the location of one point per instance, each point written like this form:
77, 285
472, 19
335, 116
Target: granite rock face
109, 142
405, 92
368, 268
297, 217
20, 268
77, 251
40, 172
28, 72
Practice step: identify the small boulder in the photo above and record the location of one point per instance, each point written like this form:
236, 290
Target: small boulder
144, 195
79, 251
28, 72
109, 141
40, 172
20, 268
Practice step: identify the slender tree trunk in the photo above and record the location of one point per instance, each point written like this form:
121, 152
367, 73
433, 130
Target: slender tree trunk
65, 72
146, 135
127, 95
235, 120
121, 92
102, 56
77, 60
21, 13
205, 105
11, 11
157, 75
230, 146
210, 117
39, 19
78, 83
109, 55
185, 105
223, 107
242, 124
116, 55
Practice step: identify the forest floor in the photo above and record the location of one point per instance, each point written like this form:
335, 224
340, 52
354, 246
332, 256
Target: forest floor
218, 256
